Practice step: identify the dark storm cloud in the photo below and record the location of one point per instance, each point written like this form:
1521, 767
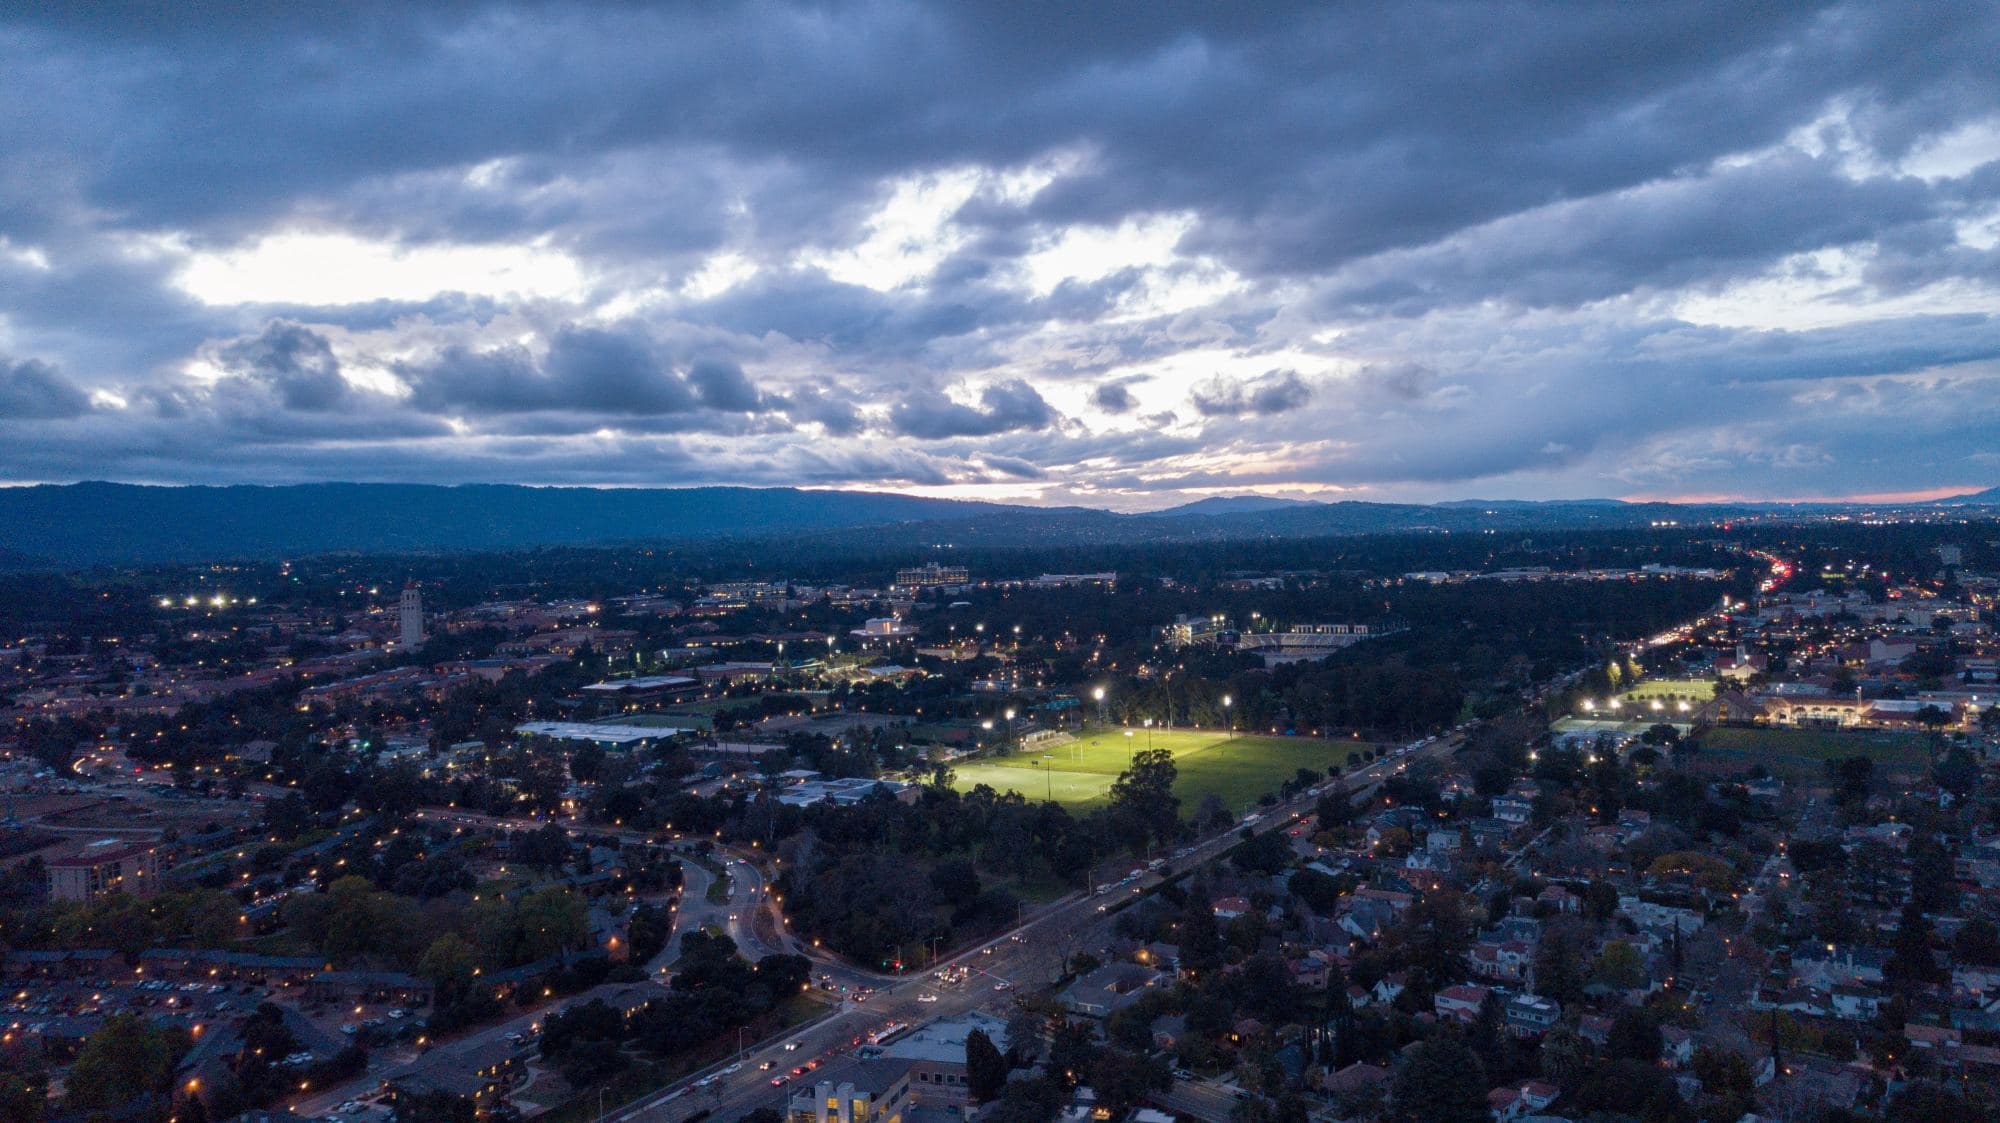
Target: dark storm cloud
31, 390
720, 384
1697, 231
295, 361
585, 371
1483, 208
609, 372
1113, 397
1003, 408
1315, 136
1278, 391
837, 416
1014, 466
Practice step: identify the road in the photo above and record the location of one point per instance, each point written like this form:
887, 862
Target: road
1026, 958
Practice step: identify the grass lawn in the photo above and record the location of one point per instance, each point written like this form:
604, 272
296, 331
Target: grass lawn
1080, 773
1801, 754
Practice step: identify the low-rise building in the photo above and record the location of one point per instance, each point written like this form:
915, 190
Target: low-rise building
1531, 1015
872, 1091
110, 865
936, 1056
1460, 1002
1108, 988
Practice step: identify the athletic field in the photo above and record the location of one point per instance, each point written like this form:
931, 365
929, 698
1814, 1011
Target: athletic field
1081, 773
1800, 755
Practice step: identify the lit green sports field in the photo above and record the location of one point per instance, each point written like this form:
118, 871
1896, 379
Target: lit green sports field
1081, 772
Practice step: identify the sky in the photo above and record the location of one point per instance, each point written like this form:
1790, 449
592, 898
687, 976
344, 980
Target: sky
1114, 254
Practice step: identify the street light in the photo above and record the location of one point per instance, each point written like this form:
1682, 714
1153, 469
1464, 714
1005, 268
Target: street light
1228, 702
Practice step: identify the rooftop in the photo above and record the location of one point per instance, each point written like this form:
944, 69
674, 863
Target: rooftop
943, 1040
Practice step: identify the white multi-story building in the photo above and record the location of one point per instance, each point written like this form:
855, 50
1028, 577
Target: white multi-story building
932, 576
107, 866
875, 1091
411, 616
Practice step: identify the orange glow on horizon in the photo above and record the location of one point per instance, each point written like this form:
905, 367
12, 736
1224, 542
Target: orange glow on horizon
1924, 495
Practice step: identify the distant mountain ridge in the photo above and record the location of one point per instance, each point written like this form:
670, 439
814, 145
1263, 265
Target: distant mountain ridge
72, 525
1532, 503
1230, 505
98, 523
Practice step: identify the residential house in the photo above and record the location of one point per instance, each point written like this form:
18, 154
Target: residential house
1461, 1002
1854, 1003
1504, 961
1648, 915
1531, 1015
1110, 987
1355, 1079
1519, 1102
1559, 898
1229, 908
1828, 965
1932, 1037
1389, 987
1367, 919
1443, 841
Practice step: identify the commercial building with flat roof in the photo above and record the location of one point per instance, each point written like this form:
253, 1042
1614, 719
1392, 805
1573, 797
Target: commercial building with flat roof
873, 1091
621, 736
931, 576
110, 865
645, 686
936, 1055
883, 629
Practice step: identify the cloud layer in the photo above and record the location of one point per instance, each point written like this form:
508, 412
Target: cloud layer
1113, 254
